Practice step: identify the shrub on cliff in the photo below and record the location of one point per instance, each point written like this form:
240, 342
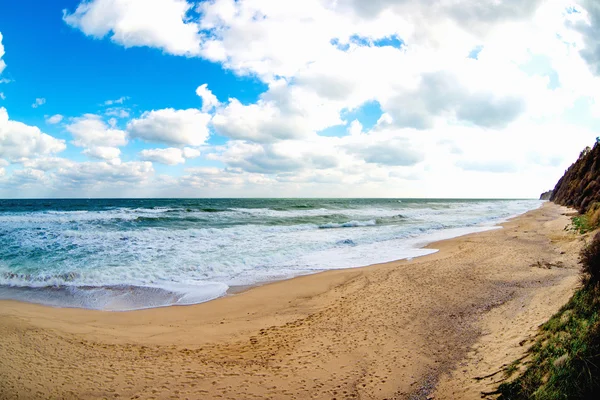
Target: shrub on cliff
590, 261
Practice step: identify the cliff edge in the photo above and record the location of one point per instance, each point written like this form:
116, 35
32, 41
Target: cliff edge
546, 195
580, 185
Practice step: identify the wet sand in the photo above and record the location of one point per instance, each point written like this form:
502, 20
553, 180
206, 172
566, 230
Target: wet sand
408, 329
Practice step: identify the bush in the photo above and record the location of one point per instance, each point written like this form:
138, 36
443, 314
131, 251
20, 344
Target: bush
594, 215
590, 261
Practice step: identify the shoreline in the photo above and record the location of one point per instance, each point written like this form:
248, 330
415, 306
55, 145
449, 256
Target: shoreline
386, 330
421, 245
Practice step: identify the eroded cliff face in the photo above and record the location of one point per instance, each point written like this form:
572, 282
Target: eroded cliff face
546, 195
580, 185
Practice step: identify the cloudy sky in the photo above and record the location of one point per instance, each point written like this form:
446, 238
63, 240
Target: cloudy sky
294, 98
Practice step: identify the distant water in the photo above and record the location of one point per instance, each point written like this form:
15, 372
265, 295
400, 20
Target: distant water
130, 254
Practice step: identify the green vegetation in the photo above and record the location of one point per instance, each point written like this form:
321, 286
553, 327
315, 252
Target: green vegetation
565, 359
564, 362
587, 222
580, 224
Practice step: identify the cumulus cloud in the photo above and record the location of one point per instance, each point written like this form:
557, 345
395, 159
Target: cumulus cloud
93, 173
161, 24
40, 101
26, 178
90, 130
440, 94
170, 126
100, 140
281, 157
169, 156
283, 112
262, 122
47, 163
471, 78
395, 152
189, 152
469, 12
590, 29
54, 119
103, 153
209, 100
20, 141
210, 177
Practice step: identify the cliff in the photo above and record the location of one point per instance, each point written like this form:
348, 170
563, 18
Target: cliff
580, 185
546, 195
564, 362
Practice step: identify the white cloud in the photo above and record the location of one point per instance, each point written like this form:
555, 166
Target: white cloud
103, 153
51, 176
209, 100
440, 94
48, 163
55, 119
163, 24
101, 141
91, 131
27, 178
590, 29
98, 173
173, 127
281, 157
118, 112
120, 100
169, 156
2, 96
394, 152
217, 178
20, 141
283, 112
475, 97
189, 152
2, 63
40, 101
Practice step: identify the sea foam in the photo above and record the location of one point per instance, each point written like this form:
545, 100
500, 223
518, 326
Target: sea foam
130, 254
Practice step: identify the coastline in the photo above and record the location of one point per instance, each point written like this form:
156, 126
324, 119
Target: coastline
387, 330
273, 243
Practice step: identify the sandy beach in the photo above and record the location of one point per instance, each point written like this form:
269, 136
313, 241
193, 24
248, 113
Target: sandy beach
421, 328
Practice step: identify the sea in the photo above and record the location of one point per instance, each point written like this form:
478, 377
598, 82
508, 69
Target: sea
127, 254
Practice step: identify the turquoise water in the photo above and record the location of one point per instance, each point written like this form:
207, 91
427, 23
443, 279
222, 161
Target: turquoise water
135, 253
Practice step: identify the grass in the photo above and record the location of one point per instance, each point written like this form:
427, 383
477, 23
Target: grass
587, 222
581, 224
565, 359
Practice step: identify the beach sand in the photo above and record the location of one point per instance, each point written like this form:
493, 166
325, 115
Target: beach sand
409, 329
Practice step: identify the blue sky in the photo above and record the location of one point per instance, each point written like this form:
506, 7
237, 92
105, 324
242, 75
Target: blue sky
311, 99
49, 59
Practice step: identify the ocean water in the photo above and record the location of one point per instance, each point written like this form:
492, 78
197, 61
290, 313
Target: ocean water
124, 254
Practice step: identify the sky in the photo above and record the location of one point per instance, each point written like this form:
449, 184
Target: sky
295, 98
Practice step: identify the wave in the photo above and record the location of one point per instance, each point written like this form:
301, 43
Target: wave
349, 224
117, 297
144, 249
